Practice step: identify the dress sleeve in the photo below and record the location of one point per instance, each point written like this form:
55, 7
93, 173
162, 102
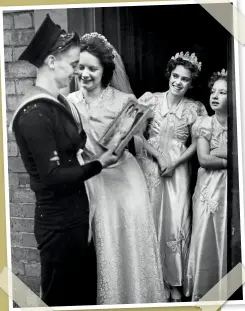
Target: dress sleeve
148, 99
38, 131
194, 110
201, 110
202, 127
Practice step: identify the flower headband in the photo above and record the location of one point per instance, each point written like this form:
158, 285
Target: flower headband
222, 73
188, 57
92, 35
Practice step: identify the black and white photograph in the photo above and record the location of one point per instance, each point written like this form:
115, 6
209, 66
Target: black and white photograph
158, 222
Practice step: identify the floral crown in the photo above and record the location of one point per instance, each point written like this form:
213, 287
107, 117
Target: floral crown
188, 57
92, 35
222, 73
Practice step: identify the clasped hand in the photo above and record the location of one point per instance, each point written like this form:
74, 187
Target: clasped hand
167, 168
219, 152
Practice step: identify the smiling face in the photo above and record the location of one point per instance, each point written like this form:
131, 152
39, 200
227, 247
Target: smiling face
90, 71
180, 80
218, 96
64, 66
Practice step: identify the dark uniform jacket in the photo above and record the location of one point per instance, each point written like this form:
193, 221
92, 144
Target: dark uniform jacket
42, 125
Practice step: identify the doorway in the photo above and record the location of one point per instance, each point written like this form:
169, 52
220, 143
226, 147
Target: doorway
147, 37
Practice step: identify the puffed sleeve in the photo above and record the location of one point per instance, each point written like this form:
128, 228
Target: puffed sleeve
194, 109
148, 99
200, 108
202, 127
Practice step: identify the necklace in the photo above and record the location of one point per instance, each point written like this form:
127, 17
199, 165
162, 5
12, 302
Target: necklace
99, 101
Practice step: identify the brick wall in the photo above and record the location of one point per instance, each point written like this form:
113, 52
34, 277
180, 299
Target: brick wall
18, 31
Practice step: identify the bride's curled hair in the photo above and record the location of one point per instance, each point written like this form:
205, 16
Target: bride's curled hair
99, 47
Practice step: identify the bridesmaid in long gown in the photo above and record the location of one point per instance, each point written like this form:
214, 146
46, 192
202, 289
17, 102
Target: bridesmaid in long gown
128, 256
165, 163
206, 268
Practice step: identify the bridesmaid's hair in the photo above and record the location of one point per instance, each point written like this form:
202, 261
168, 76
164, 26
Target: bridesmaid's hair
173, 63
104, 52
215, 77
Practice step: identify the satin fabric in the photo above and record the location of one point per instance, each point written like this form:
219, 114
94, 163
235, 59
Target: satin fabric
128, 257
170, 196
207, 258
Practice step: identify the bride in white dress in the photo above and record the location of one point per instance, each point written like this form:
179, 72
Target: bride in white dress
128, 257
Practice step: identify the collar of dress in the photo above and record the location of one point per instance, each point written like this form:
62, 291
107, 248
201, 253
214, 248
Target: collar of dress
178, 109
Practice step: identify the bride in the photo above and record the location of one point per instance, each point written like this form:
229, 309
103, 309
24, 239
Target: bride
128, 258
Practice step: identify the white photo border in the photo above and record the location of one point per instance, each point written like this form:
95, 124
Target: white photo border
239, 55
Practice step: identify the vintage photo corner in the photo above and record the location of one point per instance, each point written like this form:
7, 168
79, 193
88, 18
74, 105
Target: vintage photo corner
159, 223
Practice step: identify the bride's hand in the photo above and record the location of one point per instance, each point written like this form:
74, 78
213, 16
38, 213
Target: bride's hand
127, 121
